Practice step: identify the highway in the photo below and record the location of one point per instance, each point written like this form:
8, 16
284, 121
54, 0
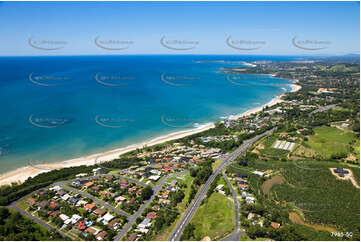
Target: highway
178, 230
322, 109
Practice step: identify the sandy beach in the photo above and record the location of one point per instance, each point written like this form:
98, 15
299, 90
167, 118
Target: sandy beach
21, 174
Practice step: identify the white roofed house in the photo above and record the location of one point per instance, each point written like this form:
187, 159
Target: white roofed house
250, 199
63, 217
154, 178
120, 199
107, 218
258, 173
75, 218
145, 223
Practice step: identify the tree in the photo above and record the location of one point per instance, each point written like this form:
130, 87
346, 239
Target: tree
147, 192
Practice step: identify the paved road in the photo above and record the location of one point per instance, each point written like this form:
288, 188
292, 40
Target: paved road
33, 218
178, 230
322, 109
133, 219
98, 201
13, 205
234, 195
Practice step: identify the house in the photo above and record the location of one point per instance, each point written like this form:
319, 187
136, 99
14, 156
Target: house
124, 184
132, 200
142, 230
275, 225
165, 201
91, 230
154, 178
109, 179
113, 224
76, 183
31, 201
107, 218
65, 196
88, 185
53, 205
96, 188
132, 236
75, 218
73, 200
103, 193
81, 174
340, 172
139, 192
166, 170
101, 235
220, 187
55, 188
156, 207
43, 204
145, 223
132, 189
165, 194
98, 171
250, 216
54, 214
258, 173
63, 217
81, 225
81, 203
120, 199
99, 212
249, 199
90, 207
174, 183
152, 215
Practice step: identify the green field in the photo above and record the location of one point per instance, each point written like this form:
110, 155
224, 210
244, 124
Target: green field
328, 141
215, 218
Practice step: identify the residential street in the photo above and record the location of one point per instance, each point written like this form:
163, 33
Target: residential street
178, 230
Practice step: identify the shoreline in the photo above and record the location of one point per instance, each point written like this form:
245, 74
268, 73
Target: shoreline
19, 175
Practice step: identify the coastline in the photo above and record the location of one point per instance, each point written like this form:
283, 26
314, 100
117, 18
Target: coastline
21, 174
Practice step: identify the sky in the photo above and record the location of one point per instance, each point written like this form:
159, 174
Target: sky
118, 28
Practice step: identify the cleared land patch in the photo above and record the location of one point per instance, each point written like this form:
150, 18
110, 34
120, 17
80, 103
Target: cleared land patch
215, 218
267, 185
295, 218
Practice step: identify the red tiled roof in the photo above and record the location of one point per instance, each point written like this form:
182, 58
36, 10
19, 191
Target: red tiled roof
152, 215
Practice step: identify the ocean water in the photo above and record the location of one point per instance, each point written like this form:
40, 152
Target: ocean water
59, 108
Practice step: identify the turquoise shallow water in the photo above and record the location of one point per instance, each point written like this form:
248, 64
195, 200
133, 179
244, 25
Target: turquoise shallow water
58, 108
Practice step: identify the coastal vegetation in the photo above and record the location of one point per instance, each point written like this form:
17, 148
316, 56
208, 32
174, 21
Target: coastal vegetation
15, 227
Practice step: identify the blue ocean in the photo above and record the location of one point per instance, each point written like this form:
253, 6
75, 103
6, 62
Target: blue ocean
59, 108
